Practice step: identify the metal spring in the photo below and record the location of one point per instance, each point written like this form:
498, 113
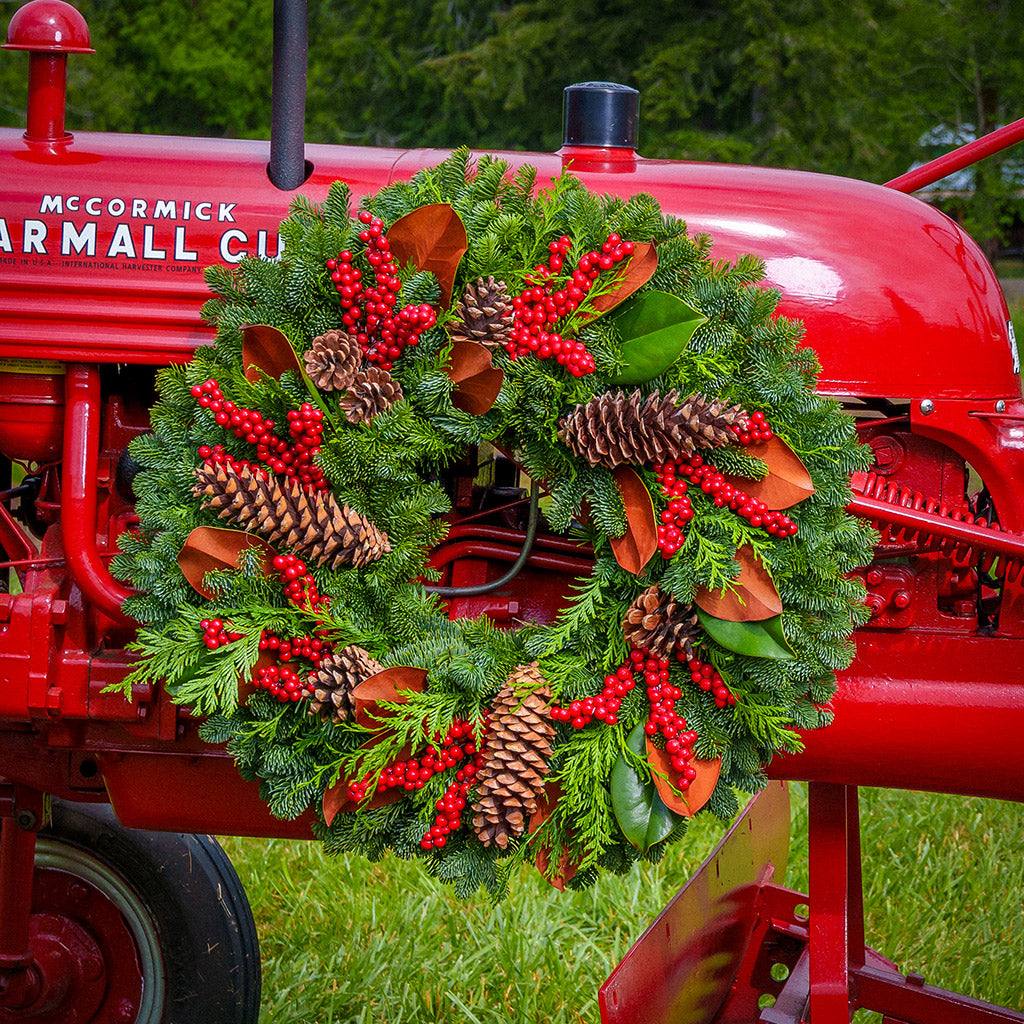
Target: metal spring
882, 489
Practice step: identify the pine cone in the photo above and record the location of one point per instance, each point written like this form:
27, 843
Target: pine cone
333, 360
280, 510
370, 393
516, 750
614, 430
657, 622
485, 314
329, 689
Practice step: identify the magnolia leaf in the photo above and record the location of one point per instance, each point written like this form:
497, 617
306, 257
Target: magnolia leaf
641, 813
477, 380
393, 685
753, 597
266, 350
787, 482
634, 549
566, 868
638, 270
757, 639
685, 802
431, 238
337, 801
210, 548
655, 328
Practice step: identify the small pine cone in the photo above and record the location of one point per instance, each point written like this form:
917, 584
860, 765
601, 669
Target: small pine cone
368, 394
516, 750
329, 688
615, 429
485, 314
280, 510
333, 360
657, 622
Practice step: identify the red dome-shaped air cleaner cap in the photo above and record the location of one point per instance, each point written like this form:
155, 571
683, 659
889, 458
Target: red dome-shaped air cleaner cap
48, 26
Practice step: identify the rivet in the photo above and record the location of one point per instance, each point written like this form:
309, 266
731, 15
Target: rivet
927, 407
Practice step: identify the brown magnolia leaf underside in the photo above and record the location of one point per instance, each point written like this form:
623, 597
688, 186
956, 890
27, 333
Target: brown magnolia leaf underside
266, 350
477, 380
639, 269
752, 599
210, 548
686, 803
431, 238
787, 482
566, 868
392, 685
635, 548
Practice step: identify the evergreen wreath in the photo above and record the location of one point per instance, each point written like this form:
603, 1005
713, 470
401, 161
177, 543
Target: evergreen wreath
291, 494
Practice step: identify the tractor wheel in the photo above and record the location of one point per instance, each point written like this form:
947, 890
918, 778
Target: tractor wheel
137, 927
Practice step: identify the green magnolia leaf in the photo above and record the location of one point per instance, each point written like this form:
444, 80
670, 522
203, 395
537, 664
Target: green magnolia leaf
642, 815
655, 328
764, 639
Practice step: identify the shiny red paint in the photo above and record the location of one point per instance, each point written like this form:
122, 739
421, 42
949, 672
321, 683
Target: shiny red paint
685, 965
836, 249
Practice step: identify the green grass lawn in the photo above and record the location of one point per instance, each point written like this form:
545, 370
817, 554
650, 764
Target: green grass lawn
345, 940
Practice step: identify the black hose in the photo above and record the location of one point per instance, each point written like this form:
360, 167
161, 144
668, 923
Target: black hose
517, 565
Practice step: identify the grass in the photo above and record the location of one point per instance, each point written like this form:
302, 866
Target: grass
344, 940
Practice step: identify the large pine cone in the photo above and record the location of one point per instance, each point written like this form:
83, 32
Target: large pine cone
615, 429
281, 511
516, 751
370, 393
657, 622
329, 688
333, 360
485, 314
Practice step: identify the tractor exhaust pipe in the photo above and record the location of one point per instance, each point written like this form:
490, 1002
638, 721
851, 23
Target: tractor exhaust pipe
287, 169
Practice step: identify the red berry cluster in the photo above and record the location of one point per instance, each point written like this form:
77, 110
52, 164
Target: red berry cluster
282, 682
383, 334
312, 648
708, 679
663, 719
544, 303
299, 585
671, 536
604, 707
722, 493
458, 744
294, 460
755, 430
453, 802
215, 634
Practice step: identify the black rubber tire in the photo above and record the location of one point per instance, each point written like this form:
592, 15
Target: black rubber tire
192, 920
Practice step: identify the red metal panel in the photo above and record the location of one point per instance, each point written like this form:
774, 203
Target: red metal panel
191, 793
684, 966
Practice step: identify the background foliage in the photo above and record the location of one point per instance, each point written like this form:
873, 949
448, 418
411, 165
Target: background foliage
842, 88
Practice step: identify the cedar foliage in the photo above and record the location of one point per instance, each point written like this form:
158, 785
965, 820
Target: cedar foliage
388, 468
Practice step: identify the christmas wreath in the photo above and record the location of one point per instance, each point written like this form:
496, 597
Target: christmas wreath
293, 487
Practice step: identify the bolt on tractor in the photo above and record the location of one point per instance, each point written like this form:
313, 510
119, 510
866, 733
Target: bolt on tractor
115, 905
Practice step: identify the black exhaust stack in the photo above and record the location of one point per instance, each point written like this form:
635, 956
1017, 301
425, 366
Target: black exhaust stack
288, 169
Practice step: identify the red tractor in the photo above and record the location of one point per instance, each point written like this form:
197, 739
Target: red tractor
107, 898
